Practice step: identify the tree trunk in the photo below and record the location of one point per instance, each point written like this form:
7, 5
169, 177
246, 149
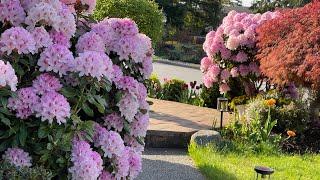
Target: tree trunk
249, 88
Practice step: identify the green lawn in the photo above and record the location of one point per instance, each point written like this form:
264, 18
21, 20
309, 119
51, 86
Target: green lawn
218, 165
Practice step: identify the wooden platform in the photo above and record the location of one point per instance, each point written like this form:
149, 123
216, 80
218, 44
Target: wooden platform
172, 123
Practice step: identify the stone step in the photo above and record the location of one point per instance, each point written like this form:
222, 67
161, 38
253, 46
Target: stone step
167, 139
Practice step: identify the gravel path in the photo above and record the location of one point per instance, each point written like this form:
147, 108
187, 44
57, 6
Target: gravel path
168, 164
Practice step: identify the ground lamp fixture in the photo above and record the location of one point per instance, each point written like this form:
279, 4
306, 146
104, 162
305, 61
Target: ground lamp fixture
222, 106
264, 171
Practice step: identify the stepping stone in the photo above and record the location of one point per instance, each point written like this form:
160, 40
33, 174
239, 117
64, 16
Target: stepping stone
205, 137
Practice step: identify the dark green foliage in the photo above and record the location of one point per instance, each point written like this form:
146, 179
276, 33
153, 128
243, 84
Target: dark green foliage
173, 90
193, 16
210, 95
145, 13
7, 171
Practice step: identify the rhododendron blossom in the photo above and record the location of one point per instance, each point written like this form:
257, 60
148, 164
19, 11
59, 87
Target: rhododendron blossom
24, 103
41, 37
90, 41
17, 39
52, 106
11, 11
46, 83
231, 48
8, 76
17, 157
87, 164
80, 108
94, 64
56, 58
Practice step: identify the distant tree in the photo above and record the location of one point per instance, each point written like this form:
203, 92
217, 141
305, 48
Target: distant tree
261, 6
146, 13
289, 49
192, 15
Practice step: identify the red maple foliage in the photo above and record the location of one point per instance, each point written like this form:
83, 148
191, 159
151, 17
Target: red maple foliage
289, 47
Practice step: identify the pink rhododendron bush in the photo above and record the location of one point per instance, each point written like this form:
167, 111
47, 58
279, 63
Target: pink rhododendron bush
72, 98
231, 51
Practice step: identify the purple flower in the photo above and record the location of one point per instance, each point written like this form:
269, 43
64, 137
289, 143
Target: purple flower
53, 106
17, 157
110, 141
128, 106
17, 39
115, 121
87, 164
8, 76
45, 83
11, 11
56, 58
139, 126
135, 163
94, 64
41, 37
90, 41
24, 103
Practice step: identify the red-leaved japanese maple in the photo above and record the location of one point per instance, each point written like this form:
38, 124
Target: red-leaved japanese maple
289, 47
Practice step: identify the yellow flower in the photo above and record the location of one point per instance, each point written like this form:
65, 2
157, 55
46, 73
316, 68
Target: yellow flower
270, 102
291, 133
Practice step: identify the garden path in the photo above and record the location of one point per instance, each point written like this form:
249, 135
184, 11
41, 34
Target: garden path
173, 123
170, 71
179, 117
168, 164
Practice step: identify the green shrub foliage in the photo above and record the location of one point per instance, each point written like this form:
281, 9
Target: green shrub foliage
145, 13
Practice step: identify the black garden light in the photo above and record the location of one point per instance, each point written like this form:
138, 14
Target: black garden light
263, 171
222, 106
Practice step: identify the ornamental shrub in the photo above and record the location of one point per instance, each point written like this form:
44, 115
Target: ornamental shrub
173, 89
145, 13
72, 98
230, 52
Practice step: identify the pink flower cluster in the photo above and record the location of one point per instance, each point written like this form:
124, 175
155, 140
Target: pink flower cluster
87, 164
128, 106
39, 36
45, 83
122, 37
41, 100
139, 125
94, 64
17, 39
8, 76
109, 141
230, 49
17, 157
53, 105
11, 11
127, 160
90, 41
51, 13
114, 121
56, 58
24, 103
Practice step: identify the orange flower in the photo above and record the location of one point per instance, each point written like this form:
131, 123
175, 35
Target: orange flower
291, 133
271, 102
